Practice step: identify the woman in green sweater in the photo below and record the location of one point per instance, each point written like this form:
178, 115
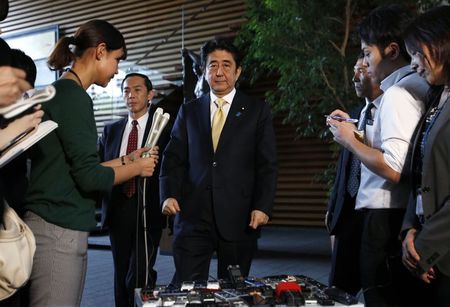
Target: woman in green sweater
66, 174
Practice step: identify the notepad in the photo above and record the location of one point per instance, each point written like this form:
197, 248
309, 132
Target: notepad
21, 144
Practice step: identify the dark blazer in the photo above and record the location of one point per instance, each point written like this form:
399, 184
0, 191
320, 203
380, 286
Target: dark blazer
433, 240
341, 204
238, 178
109, 148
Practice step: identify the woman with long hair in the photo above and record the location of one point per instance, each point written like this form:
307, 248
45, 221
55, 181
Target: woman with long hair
426, 247
66, 174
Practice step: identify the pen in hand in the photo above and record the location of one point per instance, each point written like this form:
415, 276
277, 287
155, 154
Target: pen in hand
342, 119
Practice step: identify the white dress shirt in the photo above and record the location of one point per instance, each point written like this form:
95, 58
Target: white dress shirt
396, 115
142, 121
226, 106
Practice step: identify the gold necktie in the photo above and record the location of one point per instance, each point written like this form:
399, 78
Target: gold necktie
218, 122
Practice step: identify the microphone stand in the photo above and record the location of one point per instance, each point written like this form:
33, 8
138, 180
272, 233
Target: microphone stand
159, 122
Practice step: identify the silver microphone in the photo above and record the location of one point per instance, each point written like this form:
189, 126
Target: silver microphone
159, 122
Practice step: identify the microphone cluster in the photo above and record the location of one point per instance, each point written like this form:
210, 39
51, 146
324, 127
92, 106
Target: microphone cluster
159, 122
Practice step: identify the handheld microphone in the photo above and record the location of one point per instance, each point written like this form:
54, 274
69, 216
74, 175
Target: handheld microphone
159, 122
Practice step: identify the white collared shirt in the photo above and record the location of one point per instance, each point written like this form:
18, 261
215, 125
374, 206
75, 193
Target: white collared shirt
225, 108
142, 121
395, 117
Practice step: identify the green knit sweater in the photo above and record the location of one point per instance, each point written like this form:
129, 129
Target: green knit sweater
66, 175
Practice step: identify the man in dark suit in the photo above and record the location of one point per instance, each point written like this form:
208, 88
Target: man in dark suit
220, 183
343, 222
122, 209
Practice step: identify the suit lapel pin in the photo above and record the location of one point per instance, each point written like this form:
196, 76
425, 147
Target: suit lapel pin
239, 113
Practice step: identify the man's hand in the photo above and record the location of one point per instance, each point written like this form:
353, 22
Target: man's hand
170, 206
343, 132
258, 218
410, 257
12, 85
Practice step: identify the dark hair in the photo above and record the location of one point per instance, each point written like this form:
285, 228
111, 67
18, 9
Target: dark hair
432, 29
90, 34
148, 83
5, 53
4, 8
219, 44
385, 25
24, 62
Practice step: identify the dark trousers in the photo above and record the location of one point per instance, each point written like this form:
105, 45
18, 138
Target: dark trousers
385, 281
441, 289
192, 254
129, 253
345, 273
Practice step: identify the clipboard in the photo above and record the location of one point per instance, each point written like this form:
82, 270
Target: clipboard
25, 140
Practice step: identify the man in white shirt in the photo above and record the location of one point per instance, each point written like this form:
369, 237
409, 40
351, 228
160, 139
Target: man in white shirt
383, 192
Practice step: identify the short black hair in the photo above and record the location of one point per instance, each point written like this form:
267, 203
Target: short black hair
148, 83
21, 60
385, 25
219, 44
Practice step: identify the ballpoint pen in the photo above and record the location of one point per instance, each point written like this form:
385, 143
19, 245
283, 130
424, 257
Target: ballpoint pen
15, 140
342, 119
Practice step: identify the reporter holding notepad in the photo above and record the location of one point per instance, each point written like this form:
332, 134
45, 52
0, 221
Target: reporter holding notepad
66, 174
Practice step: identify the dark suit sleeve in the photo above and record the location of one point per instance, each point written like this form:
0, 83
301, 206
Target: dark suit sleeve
332, 203
410, 220
432, 242
266, 162
174, 160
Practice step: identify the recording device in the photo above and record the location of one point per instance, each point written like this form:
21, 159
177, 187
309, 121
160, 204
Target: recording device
159, 122
289, 293
187, 286
194, 298
229, 295
340, 296
213, 285
279, 290
235, 275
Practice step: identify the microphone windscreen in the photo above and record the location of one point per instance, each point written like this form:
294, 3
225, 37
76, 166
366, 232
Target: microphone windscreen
286, 286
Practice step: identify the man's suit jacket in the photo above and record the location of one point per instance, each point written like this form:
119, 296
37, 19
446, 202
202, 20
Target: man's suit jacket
433, 240
109, 148
238, 178
341, 204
